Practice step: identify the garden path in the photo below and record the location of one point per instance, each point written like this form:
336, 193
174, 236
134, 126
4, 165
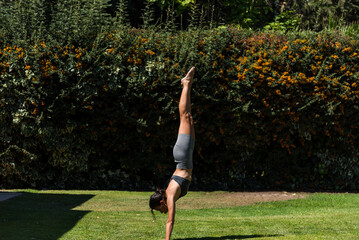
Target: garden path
7, 195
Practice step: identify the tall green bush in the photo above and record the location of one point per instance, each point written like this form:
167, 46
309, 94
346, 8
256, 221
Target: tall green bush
96, 106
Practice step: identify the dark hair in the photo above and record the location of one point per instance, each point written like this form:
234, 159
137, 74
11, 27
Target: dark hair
156, 198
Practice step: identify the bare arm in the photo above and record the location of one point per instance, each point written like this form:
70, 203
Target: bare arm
171, 217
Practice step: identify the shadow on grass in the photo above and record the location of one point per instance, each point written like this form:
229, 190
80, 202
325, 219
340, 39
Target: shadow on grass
230, 237
40, 216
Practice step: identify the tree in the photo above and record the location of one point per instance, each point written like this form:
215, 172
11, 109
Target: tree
319, 14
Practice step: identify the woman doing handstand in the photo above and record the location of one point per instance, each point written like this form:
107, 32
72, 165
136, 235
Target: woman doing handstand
164, 200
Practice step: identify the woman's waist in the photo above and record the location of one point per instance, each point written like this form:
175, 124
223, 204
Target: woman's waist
184, 173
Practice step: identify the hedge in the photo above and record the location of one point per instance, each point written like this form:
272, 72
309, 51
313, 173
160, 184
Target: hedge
271, 111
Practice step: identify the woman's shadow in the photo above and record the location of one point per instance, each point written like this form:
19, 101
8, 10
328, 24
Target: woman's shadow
230, 237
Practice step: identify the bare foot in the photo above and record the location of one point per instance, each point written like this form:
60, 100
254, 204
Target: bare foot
187, 80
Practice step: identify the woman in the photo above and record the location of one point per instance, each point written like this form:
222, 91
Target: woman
164, 200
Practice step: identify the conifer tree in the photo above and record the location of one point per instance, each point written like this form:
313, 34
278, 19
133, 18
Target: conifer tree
21, 20
79, 20
122, 14
148, 14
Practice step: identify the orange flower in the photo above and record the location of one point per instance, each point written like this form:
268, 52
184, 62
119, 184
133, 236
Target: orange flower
150, 52
301, 76
138, 61
43, 44
36, 110
347, 49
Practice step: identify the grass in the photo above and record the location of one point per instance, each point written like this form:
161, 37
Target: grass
78, 215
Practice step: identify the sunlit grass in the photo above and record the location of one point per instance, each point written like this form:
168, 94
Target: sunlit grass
125, 215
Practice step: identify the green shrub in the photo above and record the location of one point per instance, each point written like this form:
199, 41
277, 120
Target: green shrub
285, 21
96, 106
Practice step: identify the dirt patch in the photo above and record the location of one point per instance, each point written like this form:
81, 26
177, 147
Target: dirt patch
233, 199
193, 200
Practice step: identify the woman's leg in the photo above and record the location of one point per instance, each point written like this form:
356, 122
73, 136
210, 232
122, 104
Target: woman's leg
186, 121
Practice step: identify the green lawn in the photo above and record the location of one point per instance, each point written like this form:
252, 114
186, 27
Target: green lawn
78, 215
